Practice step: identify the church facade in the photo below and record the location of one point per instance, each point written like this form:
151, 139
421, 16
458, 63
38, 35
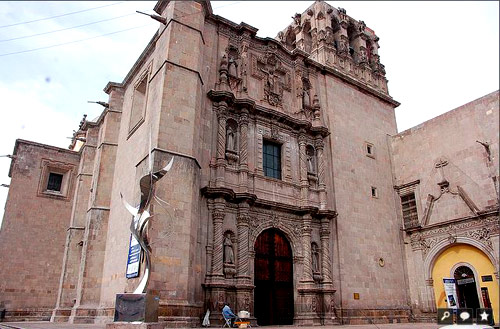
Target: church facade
291, 195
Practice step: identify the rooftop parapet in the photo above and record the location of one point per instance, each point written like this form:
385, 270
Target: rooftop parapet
334, 39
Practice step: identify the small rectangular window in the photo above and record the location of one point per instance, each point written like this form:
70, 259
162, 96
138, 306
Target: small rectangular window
374, 192
409, 206
54, 183
370, 150
272, 159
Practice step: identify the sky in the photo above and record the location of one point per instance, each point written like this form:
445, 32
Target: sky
56, 56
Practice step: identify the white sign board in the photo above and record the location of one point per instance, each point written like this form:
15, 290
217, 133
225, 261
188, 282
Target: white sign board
134, 258
450, 289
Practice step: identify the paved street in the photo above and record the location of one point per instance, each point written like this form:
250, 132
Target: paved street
49, 325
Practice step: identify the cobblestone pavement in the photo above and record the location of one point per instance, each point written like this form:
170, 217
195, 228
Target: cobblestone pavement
50, 325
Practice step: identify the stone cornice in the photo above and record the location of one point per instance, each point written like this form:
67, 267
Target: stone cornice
275, 115
481, 215
231, 196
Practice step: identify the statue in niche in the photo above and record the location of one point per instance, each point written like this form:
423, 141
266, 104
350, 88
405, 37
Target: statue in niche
232, 67
315, 258
310, 164
228, 250
329, 37
363, 57
244, 63
306, 96
270, 83
230, 145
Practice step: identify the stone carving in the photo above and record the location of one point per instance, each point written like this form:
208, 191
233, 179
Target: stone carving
362, 55
482, 235
228, 250
275, 132
228, 257
244, 66
287, 223
218, 215
230, 139
361, 26
276, 77
281, 37
314, 304
232, 67
306, 97
316, 107
329, 37
311, 160
315, 257
296, 19
477, 229
333, 307
223, 79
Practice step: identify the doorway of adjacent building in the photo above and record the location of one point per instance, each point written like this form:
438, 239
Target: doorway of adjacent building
273, 294
466, 288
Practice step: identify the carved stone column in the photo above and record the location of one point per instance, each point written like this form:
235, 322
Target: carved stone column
221, 144
242, 225
325, 247
320, 145
306, 247
431, 300
304, 184
217, 218
244, 150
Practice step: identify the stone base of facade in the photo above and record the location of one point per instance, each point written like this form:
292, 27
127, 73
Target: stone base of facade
369, 316
170, 315
425, 317
35, 314
60, 315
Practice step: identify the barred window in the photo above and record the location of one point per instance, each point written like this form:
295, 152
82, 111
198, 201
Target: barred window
272, 159
409, 206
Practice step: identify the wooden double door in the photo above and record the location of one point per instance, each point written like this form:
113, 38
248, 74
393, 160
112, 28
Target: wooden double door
273, 293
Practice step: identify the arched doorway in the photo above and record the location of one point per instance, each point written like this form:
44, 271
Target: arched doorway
273, 281
466, 288
463, 261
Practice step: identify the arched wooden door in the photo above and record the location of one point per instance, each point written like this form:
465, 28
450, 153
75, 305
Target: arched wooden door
273, 279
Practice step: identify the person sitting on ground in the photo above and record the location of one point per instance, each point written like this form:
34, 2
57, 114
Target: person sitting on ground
228, 314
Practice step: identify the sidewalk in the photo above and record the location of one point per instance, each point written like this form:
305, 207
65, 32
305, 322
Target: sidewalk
51, 325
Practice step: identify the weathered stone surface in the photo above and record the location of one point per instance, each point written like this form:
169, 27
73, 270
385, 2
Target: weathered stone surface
209, 93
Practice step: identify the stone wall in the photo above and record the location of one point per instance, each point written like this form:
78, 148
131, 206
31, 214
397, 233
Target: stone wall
32, 237
451, 165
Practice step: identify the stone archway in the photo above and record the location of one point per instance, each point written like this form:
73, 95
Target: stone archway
273, 269
467, 263
444, 244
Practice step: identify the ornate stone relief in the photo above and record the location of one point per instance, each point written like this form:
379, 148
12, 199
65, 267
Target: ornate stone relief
229, 259
478, 229
234, 61
276, 77
265, 219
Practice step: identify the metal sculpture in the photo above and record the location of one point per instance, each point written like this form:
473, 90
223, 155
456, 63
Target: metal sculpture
142, 214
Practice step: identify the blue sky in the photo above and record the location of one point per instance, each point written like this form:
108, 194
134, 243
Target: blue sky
438, 56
